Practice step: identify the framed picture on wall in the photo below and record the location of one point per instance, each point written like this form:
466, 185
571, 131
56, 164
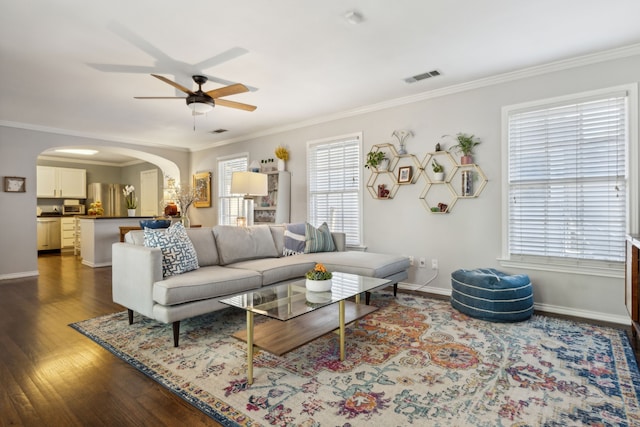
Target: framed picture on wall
15, 184
405, 174
202, 186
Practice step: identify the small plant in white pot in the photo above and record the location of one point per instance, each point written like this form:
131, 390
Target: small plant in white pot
465, 146
377, 160
438, 171
318, 279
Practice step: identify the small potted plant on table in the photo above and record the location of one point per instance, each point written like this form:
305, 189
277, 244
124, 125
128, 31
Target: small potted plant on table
318, 279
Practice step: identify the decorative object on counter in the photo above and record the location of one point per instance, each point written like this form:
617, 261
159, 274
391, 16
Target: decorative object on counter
283, 155
96, 208
155, 223
15, 184
401, 136
171, 209
377, 160
184, 195
202, 184
438, 171
405, 174
383, 193
318, 279
465, 146
130, 198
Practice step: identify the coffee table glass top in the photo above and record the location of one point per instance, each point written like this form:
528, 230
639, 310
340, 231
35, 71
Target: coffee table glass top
284, 302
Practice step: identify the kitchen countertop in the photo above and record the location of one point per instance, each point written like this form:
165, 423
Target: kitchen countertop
114, 217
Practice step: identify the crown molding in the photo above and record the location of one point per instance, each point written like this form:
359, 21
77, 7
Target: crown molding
89, 161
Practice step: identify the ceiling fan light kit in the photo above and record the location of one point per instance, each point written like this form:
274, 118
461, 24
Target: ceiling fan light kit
202, 102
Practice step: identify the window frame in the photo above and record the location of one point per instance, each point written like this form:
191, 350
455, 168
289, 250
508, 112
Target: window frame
632, 159
356, 242
226, 199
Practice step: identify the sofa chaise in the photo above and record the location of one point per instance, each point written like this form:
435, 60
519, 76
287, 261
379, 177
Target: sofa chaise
230, 260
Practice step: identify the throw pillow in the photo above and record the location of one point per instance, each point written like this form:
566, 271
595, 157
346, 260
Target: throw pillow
294, 239
178, 253
318, 239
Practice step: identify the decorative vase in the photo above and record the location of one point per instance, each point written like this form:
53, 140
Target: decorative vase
281, 165
466, 160
383, 165
318, 285
186, 222
438, 176
131, 212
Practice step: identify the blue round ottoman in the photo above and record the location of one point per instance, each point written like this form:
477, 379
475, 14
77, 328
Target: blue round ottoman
488, 294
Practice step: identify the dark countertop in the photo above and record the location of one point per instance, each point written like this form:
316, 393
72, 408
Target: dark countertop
113, 217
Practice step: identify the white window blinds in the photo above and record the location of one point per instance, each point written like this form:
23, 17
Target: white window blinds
334, 195
229, 205
567, 180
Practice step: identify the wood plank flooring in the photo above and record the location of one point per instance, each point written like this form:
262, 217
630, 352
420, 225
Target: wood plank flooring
50, 375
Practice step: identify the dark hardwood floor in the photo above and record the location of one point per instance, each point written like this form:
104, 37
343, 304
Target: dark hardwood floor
51, 375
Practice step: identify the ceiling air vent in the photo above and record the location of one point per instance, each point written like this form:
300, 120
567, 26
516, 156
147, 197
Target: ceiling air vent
219, 131
422, 76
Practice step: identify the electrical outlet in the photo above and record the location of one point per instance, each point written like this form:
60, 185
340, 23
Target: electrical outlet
434, 264
411, 260
423, 262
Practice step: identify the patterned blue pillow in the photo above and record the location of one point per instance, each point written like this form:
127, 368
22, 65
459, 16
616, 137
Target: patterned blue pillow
178, 253
294, 239
318, 239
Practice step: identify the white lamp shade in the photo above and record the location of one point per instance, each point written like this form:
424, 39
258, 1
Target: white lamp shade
249, 183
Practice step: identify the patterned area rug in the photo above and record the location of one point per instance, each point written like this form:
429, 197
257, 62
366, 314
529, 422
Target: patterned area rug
416, 361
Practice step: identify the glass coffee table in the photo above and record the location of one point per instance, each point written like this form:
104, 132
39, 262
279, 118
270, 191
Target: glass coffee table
299, 316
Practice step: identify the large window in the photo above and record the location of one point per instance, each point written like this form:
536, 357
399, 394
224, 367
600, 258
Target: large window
567, 195
229, 205
334, 193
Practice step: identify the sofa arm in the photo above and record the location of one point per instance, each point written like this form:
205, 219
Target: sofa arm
134, 271
339, 239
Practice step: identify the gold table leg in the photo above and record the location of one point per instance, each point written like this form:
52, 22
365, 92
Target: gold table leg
342, 331
250, 347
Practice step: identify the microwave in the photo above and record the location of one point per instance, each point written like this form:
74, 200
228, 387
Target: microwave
72, 209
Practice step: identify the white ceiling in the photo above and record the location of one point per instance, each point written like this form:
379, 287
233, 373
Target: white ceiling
75, 65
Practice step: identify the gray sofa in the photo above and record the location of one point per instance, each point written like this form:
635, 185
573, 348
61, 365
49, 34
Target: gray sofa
232, 260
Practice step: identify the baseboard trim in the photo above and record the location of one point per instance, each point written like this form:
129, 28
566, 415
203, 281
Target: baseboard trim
549, 308
19, 275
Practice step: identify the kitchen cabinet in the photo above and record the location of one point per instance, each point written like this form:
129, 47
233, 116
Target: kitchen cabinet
53, 182
48, 231
274, 207
68, 232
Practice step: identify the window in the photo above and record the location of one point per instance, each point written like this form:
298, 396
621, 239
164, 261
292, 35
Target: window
229, 205
334, 176
567, 183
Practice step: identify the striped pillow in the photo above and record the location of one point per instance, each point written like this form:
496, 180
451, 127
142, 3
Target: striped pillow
318, 239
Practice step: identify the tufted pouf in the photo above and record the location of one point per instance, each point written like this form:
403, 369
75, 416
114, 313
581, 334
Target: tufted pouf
488, 294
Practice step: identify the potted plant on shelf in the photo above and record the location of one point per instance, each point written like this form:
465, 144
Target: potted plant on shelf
377, 160
438, 171
131, 199
465, 146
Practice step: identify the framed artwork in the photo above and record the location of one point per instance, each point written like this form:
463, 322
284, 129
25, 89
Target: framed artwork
202, 186
15, 184
405, 174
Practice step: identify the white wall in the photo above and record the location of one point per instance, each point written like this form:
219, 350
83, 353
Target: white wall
469, 236
19, 150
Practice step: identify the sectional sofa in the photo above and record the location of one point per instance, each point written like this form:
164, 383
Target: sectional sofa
230, 260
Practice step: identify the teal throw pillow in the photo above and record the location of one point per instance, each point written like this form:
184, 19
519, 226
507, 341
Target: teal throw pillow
318, 239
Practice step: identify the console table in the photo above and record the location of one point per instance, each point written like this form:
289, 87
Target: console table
632, 284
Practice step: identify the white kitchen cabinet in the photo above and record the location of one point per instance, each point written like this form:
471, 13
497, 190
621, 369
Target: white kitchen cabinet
68, 232
48, 231
65, 183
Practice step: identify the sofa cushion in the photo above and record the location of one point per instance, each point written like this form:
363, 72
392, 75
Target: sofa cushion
278, 270
205, 245
277, 232
205, 283
178, 253
363, 263
318, 239
237, 244
294, 239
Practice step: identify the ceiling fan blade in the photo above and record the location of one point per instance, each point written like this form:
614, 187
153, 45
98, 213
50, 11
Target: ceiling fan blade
159, 97
233, 104
228, 90
172, 83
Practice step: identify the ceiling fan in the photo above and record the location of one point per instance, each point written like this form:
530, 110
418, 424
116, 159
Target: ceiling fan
202, 102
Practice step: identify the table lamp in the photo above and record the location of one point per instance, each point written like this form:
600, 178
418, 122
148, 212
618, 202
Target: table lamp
249, 184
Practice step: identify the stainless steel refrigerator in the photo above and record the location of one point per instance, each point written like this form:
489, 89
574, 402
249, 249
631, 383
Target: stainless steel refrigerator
111, 197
